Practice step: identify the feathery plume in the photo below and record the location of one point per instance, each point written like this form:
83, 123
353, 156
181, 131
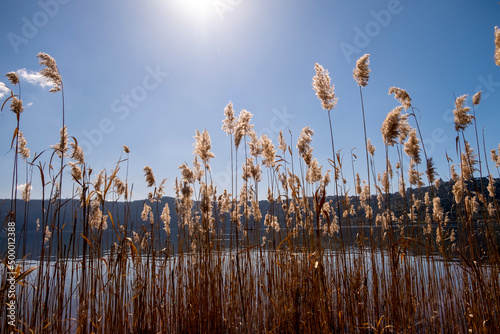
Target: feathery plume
402, 96
361, 73
303, 144
120, 186
470, 158
16, 105
250, 170
497, 160
454, 175
198, 172
77, 154
13, 78
404, 128
255, 144
471, 204
370, 147
282, 142
437, 210
462, 119
476, 99
458, 191
202, 146
243, 127
26, 194
497, 46
268, 151
50, 72
384, 181
22, 149
97, 220
495, 157
146, 213
165, 217
313, 173
358, 184
491, 186
47, 236
326, 178
412, 147
324, 91
229, 123
187, 173
62, 146
430, 170
99, 180
390, 126
415, 177
76, 172
148, 173
402, 186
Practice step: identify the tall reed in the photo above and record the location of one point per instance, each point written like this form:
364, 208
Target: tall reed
299, 261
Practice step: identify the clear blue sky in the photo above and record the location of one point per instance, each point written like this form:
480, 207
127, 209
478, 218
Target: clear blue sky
147, 74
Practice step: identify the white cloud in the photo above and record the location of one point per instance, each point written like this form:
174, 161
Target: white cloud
33, 78
3, 90
22, 186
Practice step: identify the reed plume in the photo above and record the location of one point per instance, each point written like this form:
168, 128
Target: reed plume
203, 146
22, 149
50, 72
497, 46
16, 105
13, 78
476, 99
402, 96
148, 173
391, 126
362, 73
323, 87
462, 118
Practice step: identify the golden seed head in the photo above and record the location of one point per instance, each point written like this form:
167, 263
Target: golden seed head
303, 144
202, 146
476, 98
16, 105
22, 149
497, 46
391, 126
462, 118
148, 173
362, 73
229, 123
324, 90
50, 72
242, 127
13, 78
412, 147
402, 96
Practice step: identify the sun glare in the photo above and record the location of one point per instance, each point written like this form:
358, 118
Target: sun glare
195, 9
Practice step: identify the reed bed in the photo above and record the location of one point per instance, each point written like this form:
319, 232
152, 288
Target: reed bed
318, 260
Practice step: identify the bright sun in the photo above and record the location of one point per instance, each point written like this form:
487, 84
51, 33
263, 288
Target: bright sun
195, 9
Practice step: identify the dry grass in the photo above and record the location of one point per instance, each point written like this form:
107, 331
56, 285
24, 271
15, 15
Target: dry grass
364, 264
